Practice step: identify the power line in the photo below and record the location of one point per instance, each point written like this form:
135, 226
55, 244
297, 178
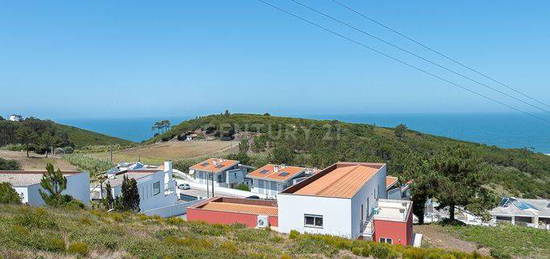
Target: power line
397, 60
416, 55
438, 52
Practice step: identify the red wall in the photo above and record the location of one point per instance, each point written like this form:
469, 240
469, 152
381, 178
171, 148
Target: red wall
219, 217
399, 232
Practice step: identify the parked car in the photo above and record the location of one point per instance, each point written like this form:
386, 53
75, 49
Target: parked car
184, 186
254, 197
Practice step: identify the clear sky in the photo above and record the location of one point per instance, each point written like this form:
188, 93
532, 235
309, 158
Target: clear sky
105, 58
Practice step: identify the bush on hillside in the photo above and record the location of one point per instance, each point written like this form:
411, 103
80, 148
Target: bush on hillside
6, 164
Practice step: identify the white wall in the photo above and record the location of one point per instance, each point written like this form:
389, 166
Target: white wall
335, 212
341, 217
373, 190
78, 186
148, 200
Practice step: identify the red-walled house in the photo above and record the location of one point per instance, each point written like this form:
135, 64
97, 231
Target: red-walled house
393, 222
223, 210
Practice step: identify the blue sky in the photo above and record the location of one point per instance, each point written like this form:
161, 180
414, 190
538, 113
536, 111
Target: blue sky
103, 58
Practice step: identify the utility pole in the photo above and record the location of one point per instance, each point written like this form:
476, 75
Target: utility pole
207, 185
111, 151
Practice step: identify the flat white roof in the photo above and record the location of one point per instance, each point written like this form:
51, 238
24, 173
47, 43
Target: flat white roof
25, 178
394, 210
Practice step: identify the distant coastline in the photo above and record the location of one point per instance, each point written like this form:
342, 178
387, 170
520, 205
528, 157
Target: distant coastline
503, 130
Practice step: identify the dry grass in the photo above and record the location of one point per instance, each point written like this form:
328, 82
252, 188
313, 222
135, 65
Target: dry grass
172, 150
35, 162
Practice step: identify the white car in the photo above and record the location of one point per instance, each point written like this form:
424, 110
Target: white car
184, 186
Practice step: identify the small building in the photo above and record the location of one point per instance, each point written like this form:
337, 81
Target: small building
339, 200
220, 172
27, 184
393, 222
525, 212
15, 117
156, 187
271, 179
224, 210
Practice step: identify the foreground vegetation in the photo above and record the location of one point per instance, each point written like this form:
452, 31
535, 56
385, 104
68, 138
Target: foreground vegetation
505, 240
53, 233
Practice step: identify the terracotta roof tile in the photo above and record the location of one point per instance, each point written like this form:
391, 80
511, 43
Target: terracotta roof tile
268, 172
214, 165
342, 182
390, 181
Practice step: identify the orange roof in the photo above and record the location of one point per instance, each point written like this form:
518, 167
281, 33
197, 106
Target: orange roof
276, 172
390, 181
241, 208
214, 165
342, 182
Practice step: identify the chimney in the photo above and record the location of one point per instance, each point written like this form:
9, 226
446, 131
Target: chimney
276, 169
168, 165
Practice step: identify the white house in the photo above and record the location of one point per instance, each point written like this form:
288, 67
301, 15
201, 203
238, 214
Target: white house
220, 172
338, 200
15, 117
526, 212
27, 184
157, 188
271, 179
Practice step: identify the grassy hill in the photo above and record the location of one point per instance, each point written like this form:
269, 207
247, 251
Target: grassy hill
27, 232
68, 135
318, 143
81, 137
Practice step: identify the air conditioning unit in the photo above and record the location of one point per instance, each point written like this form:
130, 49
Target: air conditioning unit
262, 221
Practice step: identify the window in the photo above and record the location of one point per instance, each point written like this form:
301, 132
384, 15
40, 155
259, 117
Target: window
156, 188
386, 240
315, 221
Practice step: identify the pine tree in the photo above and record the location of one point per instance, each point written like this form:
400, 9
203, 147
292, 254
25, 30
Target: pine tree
130, 194
109, 200
8, 195
54, 183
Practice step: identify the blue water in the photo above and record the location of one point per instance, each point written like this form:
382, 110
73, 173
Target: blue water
134, 129
503, 130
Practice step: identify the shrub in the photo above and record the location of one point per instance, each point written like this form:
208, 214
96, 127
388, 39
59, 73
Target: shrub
285, 256
53, 244
499, 254
35, 218
80, 248
294, 234
357, 251
8, 195
229, 247
208, 229
175, 221
242, 187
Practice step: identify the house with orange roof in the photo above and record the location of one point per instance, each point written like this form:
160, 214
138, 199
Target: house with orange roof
271, 179
339, 200
219, 172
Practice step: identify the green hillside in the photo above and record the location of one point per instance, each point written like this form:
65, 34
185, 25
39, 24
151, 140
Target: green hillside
81, 137
58, 134
27, 232
316, 143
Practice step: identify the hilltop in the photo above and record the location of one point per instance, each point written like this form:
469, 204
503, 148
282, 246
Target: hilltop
319, 143
70, 135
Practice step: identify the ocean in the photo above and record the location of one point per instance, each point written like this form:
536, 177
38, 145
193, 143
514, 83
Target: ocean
503, 130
